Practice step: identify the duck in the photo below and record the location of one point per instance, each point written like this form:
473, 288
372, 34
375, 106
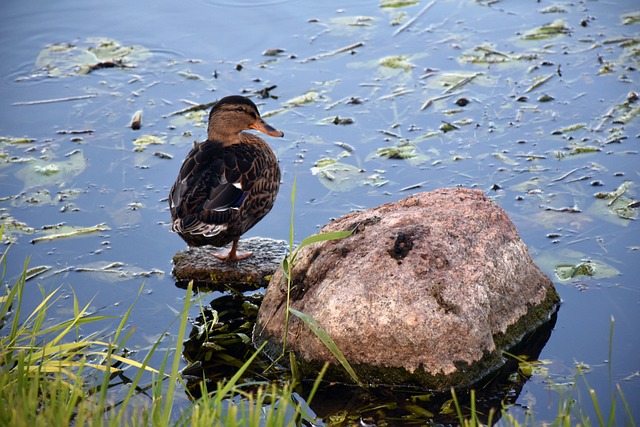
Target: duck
227, 183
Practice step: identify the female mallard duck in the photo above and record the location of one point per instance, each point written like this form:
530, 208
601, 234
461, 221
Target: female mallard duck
227, 183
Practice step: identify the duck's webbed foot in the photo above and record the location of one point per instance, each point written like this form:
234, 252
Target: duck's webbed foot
233, 255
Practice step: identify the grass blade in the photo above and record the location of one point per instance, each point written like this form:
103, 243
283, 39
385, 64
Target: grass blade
328, 342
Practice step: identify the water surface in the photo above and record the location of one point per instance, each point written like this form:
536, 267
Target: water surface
505, 141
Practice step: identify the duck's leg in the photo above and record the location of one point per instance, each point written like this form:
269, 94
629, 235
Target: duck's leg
233, 255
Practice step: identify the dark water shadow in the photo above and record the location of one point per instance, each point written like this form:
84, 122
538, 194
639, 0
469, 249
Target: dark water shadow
220, 343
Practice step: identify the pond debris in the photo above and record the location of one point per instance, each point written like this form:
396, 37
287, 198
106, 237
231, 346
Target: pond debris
630, 18
136, 120
539, 81
350, 47
62, 231
265, 92
413, 186
415, 18
51, 101
430, 101
632, 113
94, 53
342, 120
394, 4
49, 169
74, 131
41, 173
576, 150
569, 209
111, 271
162, 155
554, 29
560, 178
338, 176
589, 268
504, 159
194, 107
399, 62
11, 227
344, 146
146, 140
404, 150
397, 92
619, 202
36, 271
568, 129
273, 52
487, 54
307, 98
618, 192
463, 81
554, 8
16, 141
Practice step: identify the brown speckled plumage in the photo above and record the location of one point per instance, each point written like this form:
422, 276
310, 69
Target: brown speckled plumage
227, 183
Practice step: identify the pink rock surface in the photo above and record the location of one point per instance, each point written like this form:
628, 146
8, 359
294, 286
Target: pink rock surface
428, 291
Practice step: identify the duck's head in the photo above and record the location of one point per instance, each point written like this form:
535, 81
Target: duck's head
233, 114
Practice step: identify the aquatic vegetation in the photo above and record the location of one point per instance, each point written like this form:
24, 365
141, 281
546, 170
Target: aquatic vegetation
68, 59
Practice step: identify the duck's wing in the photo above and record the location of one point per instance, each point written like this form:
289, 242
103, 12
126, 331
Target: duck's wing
209, 188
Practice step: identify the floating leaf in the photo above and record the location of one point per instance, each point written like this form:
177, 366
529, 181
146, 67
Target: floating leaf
618, 202
325, 162
632, 113
631, 18
568, 263
488, 54
504, 159
49, 169
11, 228
376, 180
338, 176
115, 271
571, 128
596, 269
400, 62
407, 151
63, 231
15, 141
347, 22
36, 271
393, 4
307, 98
66, 59
42, 173
554, 8
577, 149
146, 140
554, 29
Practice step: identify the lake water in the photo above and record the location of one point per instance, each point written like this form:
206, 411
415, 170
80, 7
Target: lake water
548, 123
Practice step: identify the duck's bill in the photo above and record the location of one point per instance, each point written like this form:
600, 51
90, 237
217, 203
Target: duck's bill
264, 127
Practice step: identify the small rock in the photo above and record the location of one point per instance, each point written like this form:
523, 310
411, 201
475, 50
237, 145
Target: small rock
207, 271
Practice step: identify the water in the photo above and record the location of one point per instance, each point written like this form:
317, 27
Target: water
127, 190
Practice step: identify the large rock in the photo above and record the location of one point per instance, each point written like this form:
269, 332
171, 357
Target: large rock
426, 292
